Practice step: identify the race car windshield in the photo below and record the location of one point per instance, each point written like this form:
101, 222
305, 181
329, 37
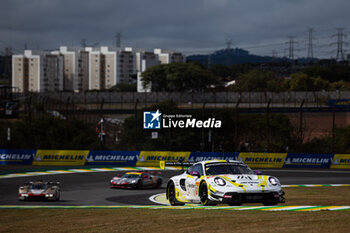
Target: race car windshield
217, 169
38, 186
131, 176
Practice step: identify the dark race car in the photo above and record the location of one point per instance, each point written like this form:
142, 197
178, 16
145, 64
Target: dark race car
137, 180
39, 190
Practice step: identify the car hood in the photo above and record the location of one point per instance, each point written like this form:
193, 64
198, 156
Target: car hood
37, 191
125, 180
241, 179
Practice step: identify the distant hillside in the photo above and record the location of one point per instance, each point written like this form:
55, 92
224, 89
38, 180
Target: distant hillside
234, 56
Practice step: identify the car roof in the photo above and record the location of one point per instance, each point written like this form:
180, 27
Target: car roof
37, 182
135, 173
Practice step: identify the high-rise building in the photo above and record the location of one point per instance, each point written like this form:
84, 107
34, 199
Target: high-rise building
83, 70
37, 73
126, 66
103, 69
52, 78
144, 60
87, 69
70, 73
26, 72
167, 57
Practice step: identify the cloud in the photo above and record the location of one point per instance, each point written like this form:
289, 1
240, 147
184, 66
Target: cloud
181, 24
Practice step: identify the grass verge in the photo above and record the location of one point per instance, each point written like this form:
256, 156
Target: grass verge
131, 220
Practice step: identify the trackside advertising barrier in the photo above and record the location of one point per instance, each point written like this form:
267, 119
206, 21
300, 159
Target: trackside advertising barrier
263, 160
201, 156
308, 160
60, 157
153, 158
17, 156
116, 158
341, 161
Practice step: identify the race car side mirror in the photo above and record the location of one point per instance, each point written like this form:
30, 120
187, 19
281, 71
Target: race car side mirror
257, 172
195, 173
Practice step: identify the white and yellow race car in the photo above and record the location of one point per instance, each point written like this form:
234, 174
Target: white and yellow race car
221, 181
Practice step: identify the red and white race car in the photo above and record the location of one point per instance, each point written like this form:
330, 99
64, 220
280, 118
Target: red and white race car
39, 190
139, 179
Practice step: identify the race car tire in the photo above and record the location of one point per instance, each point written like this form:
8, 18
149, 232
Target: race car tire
203, 195
139, 184
58, 196
172, 195
269, 203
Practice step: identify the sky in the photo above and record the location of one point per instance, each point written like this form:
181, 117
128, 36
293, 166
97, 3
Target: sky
188, 26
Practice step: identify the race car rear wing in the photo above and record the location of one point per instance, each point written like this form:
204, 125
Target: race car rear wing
40, 181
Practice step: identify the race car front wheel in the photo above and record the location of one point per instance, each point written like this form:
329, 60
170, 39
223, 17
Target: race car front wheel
203, 194
172, 195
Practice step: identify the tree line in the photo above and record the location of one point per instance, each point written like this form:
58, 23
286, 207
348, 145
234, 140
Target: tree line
239, 132
195, 77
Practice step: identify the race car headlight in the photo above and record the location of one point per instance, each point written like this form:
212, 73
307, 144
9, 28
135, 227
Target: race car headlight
273, 181
134, 181
220, 181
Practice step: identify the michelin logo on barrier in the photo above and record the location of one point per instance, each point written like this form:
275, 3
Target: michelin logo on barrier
308, 160
112, 157
341, 161
119, 158
16, 156
202, 156
152, 120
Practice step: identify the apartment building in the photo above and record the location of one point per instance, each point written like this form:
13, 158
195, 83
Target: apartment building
83, 70
167, 57
52, 78
86, 69
144, 60
126, 66
70, 68
38, 72
103, 68
26, 72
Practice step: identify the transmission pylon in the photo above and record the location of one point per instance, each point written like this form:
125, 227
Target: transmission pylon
310, 51
291, 43
118, 36
340, 35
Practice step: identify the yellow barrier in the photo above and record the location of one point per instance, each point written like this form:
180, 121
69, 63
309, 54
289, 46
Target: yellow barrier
61, 157
341, 161
152, 158
263, 160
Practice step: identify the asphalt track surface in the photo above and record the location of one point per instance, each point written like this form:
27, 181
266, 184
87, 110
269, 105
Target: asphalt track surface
93, 188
